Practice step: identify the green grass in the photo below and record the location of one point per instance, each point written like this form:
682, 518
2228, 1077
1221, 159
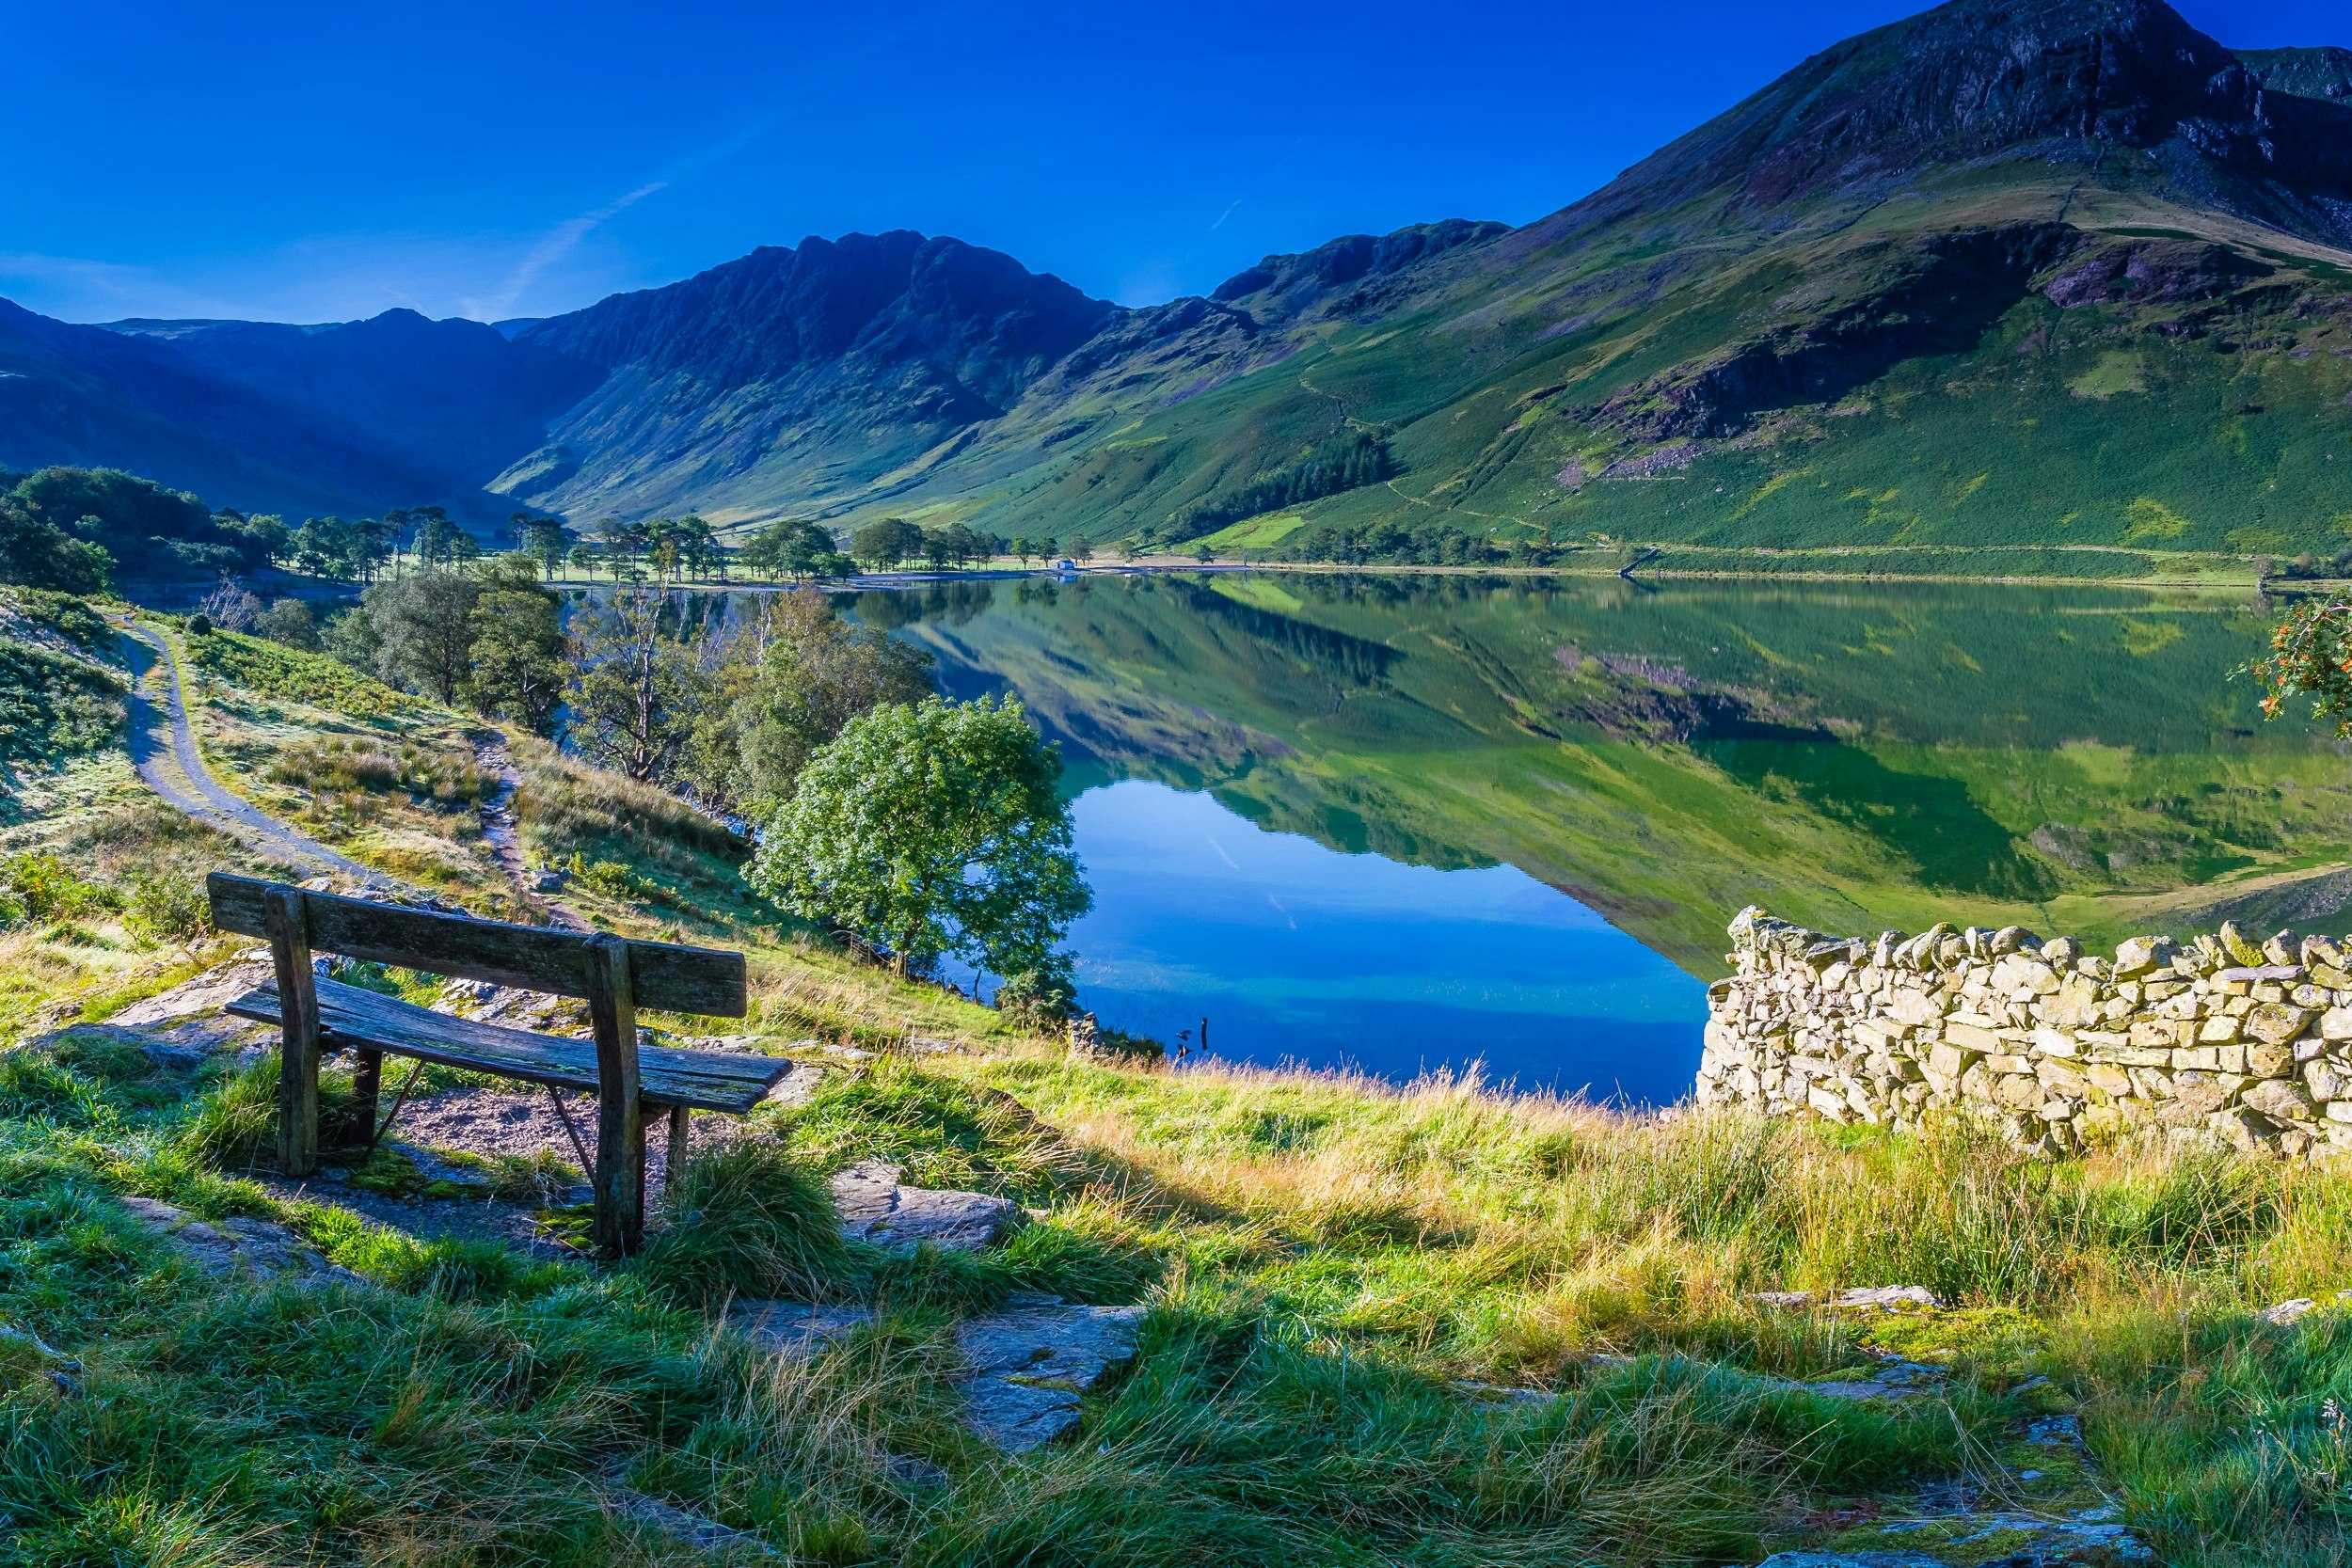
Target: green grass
1323, 1261
290, 675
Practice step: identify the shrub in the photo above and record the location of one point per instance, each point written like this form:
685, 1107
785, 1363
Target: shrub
1037, 999
44, 890
167, 907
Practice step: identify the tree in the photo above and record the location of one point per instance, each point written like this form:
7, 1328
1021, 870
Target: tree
519, 667
783, 689
2310, 656
423, 630
584, 556
886, 542
438, 541
632, 689
542, 540
794, 547
37, 554
935, 829
289, 621
1082, 549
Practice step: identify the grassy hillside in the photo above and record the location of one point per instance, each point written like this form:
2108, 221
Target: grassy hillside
1432, 1325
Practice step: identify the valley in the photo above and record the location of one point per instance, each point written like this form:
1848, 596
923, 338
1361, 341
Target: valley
2105, 307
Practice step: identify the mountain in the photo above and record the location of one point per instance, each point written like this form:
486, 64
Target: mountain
455, 398
90, 397
794, 372
2011, 272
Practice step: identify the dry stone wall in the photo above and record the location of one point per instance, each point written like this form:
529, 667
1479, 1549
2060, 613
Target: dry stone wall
2215, 1038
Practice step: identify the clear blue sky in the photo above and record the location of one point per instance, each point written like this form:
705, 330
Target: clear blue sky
321, 162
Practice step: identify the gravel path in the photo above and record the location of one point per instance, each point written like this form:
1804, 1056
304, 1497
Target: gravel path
499, 831
192, 789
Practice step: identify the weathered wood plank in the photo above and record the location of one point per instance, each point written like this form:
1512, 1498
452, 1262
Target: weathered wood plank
620, 1174
665, 978
283, 923
354, 1019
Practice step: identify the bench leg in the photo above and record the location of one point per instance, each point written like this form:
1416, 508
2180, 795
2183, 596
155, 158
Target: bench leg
620, 1173
287, 920
367, 1086
674, 1157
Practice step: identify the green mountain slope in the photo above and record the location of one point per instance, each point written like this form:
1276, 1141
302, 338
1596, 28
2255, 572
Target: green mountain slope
2056, 273
2047, 272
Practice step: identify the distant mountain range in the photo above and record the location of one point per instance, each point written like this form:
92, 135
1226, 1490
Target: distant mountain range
2012, 271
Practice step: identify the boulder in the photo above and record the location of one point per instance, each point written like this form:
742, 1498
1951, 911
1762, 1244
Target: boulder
255, 1249
876, 1206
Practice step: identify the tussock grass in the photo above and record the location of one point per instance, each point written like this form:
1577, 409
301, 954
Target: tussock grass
348, 764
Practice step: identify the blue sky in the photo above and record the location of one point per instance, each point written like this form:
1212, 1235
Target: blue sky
319, 163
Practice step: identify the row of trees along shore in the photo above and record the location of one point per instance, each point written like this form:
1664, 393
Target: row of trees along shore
78, 530
927, 828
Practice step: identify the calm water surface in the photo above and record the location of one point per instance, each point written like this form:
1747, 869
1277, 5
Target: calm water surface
1290, 950
1408, 823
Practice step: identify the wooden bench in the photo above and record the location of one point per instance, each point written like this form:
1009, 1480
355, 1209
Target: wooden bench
614, 974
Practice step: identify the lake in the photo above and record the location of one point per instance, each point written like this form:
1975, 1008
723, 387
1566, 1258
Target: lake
1401, 823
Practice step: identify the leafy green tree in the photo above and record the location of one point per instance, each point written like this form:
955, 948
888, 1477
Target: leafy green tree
423, 630
519, 652
935, 829
289, 621
1082, 549
699, 548
634, 687
886, 542
585, 557
37, 554
541, 539
783, 689
793, 547
435, 537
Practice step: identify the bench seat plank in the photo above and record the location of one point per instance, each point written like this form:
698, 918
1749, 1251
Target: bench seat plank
353, 1017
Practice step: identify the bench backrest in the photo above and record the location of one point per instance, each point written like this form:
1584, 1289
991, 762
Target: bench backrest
663, 976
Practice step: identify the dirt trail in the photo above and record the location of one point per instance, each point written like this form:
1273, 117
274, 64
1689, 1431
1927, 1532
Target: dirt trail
176, 772
499, 831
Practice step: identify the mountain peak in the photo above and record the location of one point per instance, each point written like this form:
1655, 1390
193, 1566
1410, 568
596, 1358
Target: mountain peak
1982, 79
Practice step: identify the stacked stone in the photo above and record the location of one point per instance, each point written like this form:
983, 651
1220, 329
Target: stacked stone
2218, 1038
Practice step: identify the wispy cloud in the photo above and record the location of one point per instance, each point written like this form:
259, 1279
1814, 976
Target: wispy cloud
1227, 213
552, 247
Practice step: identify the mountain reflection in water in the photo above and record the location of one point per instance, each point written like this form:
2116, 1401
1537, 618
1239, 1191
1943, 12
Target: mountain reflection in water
1854, 756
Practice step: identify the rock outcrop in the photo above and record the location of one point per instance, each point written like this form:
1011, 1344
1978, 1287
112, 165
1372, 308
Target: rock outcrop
2218, 1038
877, 1207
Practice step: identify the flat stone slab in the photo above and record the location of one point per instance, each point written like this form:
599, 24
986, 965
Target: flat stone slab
1895, 1380
1025, 1366
256, 1250
877, 1207
687, 1529
795, 1328
1029, 1366
207, 993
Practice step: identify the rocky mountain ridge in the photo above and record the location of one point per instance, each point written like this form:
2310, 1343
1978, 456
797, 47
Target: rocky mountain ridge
1720, 312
